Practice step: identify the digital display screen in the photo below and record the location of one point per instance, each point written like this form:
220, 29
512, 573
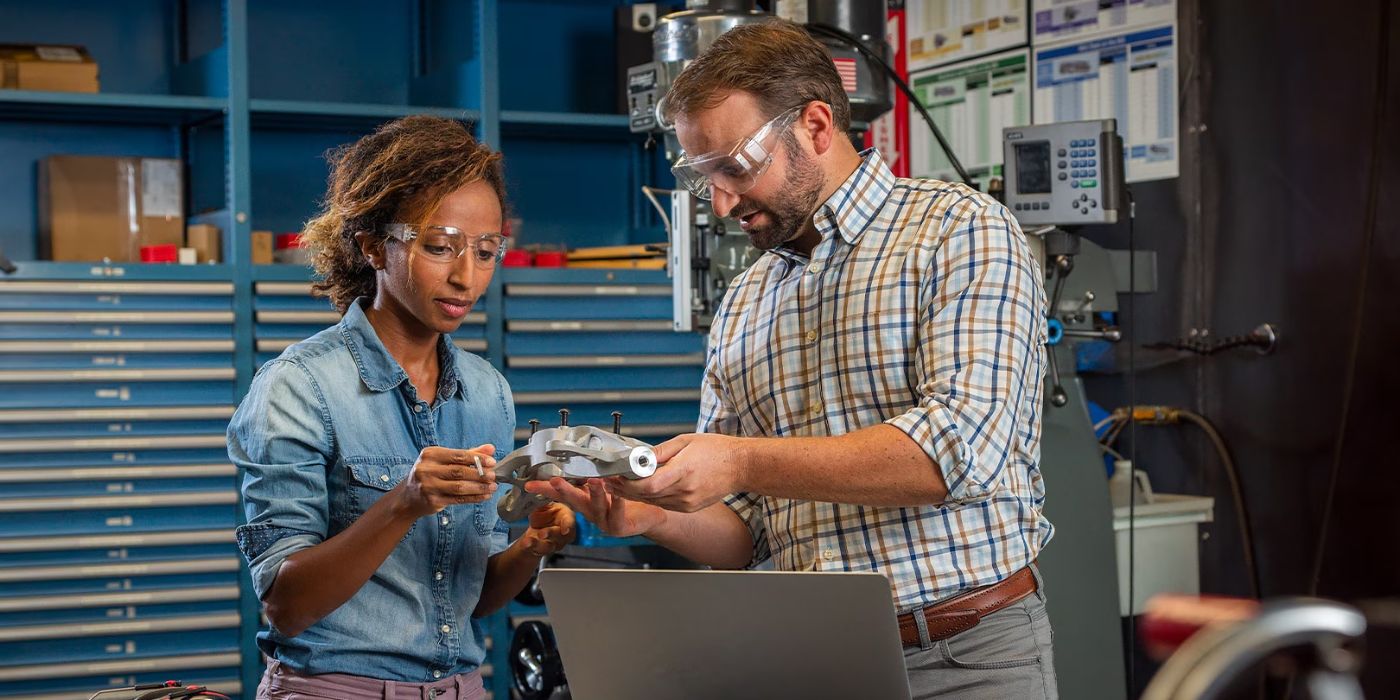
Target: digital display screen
1033, 167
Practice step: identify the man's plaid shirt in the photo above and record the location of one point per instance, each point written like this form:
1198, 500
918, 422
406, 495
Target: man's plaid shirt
922, 308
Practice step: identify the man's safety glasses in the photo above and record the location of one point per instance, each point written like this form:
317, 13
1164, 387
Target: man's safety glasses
445, 244
737, 170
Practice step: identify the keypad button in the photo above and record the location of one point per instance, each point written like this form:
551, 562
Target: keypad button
1093, 203
1088, 183
1074, 184
1060, 153
1061, 165
1064, 176
1085, 210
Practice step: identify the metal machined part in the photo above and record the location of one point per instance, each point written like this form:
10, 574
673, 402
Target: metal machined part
574, 453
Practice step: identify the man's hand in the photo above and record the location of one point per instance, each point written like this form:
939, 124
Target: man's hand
442, 477
551, 527
696, 471
615, 517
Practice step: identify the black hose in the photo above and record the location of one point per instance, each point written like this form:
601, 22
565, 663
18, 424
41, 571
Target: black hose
855, 43
1231, 472
1131, 338
1236, 493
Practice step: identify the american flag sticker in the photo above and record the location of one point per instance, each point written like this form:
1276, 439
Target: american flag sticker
846, 68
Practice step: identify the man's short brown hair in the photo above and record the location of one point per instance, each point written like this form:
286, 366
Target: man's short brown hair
776, 61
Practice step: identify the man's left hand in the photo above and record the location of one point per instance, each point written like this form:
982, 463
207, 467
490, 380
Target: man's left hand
551, 527
696, 471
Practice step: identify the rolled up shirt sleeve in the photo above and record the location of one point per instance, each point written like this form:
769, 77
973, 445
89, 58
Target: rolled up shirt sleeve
280, 439
982, 313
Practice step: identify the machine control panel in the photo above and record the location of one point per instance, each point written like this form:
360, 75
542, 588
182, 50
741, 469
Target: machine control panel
1065, 173
642, 94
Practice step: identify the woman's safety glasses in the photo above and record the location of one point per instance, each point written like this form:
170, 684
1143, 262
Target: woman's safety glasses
445, 244
736, 170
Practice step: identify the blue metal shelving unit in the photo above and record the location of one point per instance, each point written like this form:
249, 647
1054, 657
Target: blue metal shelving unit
116, 501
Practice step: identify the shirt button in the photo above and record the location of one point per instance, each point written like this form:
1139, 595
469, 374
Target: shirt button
437, 674
815, 269
384, 478
446, 629
418, 408
816, 410
828, 554
811, 336
444, 520
438, 576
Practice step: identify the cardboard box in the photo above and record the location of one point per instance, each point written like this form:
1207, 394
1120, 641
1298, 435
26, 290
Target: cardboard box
47, 67
94, 208
204, 239
262, 248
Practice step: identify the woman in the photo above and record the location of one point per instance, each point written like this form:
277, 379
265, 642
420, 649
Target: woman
372, 536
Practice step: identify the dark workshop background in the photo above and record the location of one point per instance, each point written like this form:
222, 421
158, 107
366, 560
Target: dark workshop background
1285, 212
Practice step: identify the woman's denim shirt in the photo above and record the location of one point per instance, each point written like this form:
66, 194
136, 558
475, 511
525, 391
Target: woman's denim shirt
326, 429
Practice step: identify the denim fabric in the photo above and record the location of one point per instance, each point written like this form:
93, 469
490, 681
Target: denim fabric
326, 429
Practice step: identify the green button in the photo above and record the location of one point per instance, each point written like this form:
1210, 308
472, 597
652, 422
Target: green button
1088, 183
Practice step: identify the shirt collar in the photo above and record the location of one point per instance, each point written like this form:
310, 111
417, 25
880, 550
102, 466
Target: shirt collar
850, 209
378, 369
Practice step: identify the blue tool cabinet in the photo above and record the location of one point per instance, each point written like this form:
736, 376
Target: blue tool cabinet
118, 502
117, 499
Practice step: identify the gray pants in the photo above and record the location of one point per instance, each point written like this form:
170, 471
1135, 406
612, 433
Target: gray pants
282, 683
1009, 654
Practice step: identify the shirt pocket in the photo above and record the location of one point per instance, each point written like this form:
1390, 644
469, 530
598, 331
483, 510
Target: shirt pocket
367, 479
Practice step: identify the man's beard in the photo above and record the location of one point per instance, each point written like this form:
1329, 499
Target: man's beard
793, 207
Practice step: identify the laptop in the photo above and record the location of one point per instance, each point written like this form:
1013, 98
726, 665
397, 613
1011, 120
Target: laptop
728, 635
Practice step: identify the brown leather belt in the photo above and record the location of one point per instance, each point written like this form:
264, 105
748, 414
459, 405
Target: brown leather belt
963, 611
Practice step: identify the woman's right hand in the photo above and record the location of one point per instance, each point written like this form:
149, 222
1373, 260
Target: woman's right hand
443, 477
611, 513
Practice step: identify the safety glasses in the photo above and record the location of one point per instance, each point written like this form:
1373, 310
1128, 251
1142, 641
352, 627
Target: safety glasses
445, 244
737, 170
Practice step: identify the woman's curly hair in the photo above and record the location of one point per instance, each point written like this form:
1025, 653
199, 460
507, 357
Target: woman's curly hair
399, 173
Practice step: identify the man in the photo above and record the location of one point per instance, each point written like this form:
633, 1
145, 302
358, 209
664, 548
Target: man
872, 392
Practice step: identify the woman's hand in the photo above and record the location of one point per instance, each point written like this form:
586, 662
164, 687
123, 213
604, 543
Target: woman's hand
551, 527
442, 477
613, 514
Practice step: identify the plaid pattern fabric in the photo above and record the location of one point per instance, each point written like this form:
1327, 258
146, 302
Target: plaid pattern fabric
922, 308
